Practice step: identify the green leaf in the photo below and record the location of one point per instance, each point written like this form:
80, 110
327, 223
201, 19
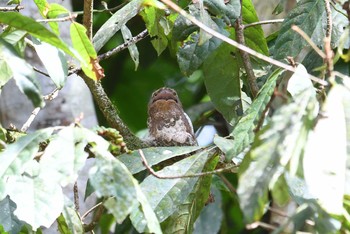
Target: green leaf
111, 178
71, 217
192, 55
56, 10
153, 18
153, 155
134, 53
16, 155
330, 131
34, 196
34, 28
22, 73
65, 148
276, 144
6, 73
84, 47
62, 225
254, 36
243, 133
221, 79
170, 192
183, 219
114, 23
231, 10
8, 220
54, 61
210, 219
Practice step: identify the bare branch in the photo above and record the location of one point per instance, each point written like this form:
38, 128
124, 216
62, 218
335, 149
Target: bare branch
327, 42
76, 196
63, 19
218, 35
125, 45
253, 86
16, 8
309, 41
90, 210
274, 21
155, 174
35, 112
88, 17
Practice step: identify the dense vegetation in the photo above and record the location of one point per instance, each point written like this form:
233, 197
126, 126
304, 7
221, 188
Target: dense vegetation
280, 104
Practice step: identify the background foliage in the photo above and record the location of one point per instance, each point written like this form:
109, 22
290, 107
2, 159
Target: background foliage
280, 162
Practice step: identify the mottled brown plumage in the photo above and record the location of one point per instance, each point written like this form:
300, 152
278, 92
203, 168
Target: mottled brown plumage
168, 124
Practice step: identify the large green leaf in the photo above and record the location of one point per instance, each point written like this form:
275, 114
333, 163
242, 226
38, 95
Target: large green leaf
39, 201
254, 36
243, 133
276, 144
230, 11
183, 219
221, 79
22, 72
34, 28
154, 18
114, 23
54, 61
153, 155
111, 178
309, 16
84, 47
65, 148
170, 192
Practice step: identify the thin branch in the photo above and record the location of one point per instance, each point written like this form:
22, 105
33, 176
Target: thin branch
274, 21
63, 19
260, 224
327, 42
113, 9
227, 183
155, 174
88, 17
218, 35
124, 46
90, 210
41, 72
309, 41
253, 86
89, 227
16, 8
35, 112
76, 196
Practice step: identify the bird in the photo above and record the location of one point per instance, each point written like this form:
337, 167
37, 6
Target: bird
167, 122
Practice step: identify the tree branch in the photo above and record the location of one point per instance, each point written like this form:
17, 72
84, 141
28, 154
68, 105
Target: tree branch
88, 16
110, 113
253, 86
16, 8
275, 21
250, 51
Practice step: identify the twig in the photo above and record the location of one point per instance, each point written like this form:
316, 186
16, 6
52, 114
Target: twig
88, 16
41, 72
274, 21
31, 118
16, 8
104, 10
309, 41
254, 89
327, 42
155, 174
35, 112
90, 210
260, 224
76, 196
89, 227
63, 19
228, 184
125, 45
250, 51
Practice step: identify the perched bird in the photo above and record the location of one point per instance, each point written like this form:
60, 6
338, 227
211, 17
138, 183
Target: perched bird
168, 124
